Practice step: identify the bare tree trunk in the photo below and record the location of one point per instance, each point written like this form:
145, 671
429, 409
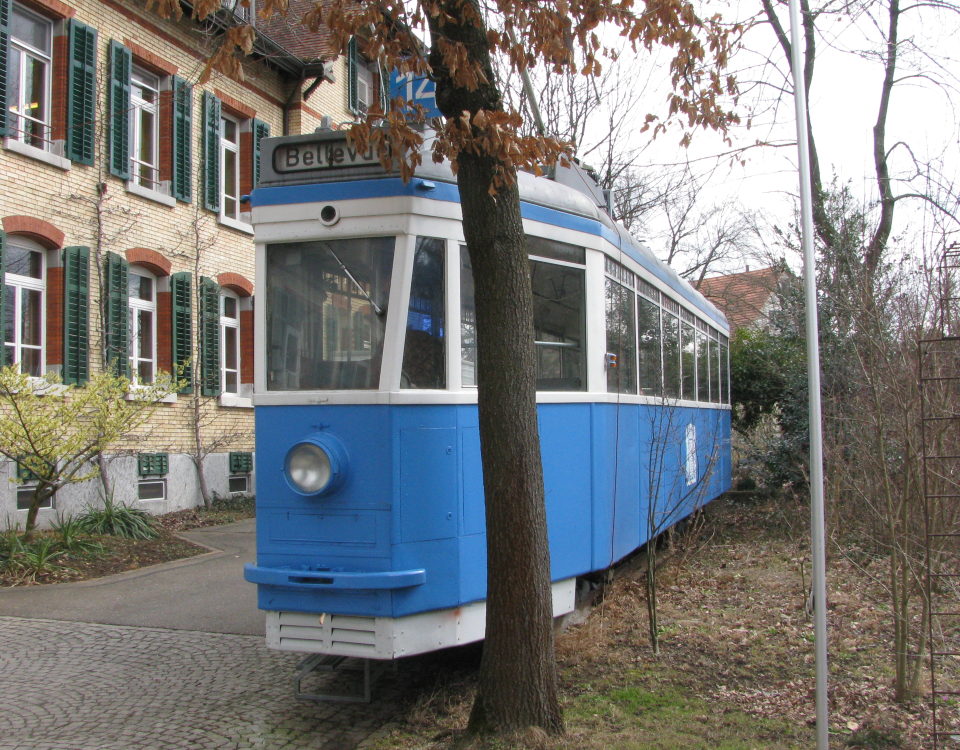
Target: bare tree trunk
40, 495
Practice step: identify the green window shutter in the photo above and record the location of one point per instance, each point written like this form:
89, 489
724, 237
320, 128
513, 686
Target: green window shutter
117, 315
152, 464
211, 151
261, 130
241, 462
182, 327
5, 6
182, 139
121, 61
81, 92
76, 315
353, 62
209, 337
3, 348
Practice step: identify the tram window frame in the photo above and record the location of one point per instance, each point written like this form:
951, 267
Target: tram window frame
423, 362
621, 337
703, 367
555, 347
551, 254
688, 361
468, 322
715, 386
300, 354
650, 342
724, 370
670, 329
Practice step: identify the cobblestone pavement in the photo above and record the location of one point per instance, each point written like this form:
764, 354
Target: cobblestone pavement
81, 686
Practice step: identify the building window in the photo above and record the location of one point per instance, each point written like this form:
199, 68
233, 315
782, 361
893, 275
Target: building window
24, 305
29, 77
230, 168
144, 128
152, 489
25, 497
239, 485
365, 83
142, 305
229, 343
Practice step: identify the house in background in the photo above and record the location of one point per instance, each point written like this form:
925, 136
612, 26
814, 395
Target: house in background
748, 298
125, 240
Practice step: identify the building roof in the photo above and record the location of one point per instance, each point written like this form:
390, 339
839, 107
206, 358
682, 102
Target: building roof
743, 297
289, 33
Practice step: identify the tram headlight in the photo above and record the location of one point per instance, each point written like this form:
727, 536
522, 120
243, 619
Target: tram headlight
316, 465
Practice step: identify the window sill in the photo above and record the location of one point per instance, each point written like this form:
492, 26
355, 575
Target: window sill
240, 226
139, 393
236, 401
156, 196
47, 157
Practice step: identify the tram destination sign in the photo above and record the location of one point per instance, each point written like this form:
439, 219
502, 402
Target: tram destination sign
320, 155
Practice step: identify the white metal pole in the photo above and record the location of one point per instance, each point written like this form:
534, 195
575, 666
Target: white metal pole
813, 386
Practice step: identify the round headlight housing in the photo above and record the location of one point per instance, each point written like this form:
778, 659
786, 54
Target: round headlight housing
315, 466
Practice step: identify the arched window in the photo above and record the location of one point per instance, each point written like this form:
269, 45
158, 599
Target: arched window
142, 305
229, 342
24, 304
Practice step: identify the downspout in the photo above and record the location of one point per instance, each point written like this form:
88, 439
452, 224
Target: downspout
294, 90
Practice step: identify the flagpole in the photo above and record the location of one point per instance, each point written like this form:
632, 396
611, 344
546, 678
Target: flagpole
813, 386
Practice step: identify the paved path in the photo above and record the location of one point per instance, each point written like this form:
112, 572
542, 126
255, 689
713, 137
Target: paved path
80, 686
165, 658
205, 593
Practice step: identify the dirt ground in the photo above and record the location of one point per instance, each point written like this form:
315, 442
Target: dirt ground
736, 668
121, 554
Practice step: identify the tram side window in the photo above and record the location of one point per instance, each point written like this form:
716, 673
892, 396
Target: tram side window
671, 355
621, 339
724, 371
688, 362
648, 328
424, 350
326, 312
468, 321
703, 368
558, 316
558, 323
714, 369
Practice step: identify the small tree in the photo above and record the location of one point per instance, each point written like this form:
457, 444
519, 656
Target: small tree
55, 431
677, 485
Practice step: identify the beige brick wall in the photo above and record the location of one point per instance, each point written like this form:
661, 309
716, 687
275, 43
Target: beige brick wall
95, 209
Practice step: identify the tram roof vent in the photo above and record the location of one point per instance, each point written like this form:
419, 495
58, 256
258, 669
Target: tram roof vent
582, 179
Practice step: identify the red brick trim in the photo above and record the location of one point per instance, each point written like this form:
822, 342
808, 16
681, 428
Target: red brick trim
308, 109
235, 107
36, 229
246, 346
164, 332
236, 283
51, 8
145, 23
151, 60
54, 345
151, 259
61, 71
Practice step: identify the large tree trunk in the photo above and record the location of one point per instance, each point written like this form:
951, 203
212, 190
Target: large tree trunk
518, 683
518, 686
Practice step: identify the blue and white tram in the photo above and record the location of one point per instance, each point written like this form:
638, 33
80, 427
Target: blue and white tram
370, 522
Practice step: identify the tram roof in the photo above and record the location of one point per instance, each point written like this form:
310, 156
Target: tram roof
324, 157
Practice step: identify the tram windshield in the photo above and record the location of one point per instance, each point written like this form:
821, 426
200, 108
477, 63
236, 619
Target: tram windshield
326, 313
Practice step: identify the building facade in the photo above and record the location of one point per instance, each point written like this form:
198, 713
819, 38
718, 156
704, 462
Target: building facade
125, 241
